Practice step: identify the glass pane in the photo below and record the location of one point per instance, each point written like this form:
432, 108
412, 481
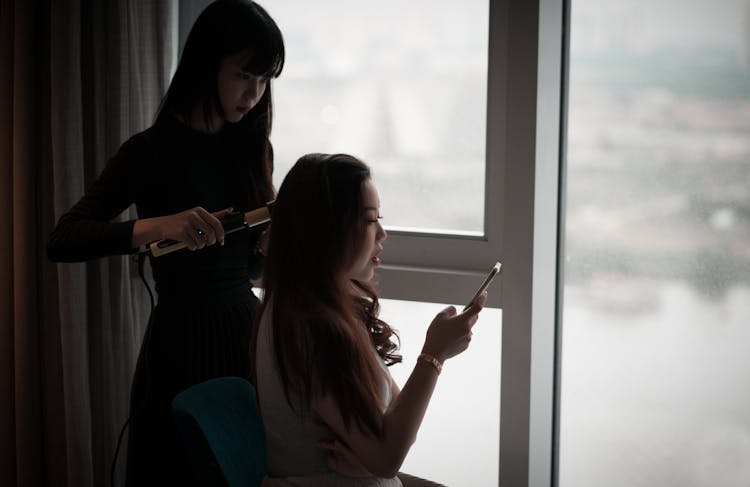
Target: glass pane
401, 85
458, 443
656, 319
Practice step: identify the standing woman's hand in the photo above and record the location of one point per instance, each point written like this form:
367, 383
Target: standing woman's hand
196, 227
263, 241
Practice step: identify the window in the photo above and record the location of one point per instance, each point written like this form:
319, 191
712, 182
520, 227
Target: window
656, 315
403, 86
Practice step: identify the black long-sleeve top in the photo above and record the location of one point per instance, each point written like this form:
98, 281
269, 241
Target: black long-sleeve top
166, 169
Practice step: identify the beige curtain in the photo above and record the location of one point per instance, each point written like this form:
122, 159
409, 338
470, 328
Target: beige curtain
77, 78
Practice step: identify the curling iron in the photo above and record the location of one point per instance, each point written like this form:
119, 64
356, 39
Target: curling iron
232, 222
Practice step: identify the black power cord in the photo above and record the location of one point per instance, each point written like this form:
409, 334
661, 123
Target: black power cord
141, 261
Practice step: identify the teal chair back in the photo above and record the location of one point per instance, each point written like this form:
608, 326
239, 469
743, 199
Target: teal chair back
222, 430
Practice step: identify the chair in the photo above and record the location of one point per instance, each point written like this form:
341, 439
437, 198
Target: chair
221, 426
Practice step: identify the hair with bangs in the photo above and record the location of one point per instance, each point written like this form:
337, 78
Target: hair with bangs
325, 329
224, 28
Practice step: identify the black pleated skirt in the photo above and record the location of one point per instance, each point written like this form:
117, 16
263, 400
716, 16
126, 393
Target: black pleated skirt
188, 340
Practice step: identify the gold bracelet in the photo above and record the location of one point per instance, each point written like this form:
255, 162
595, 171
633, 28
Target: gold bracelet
432, 361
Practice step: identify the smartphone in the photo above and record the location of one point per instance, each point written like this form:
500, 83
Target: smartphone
487, 280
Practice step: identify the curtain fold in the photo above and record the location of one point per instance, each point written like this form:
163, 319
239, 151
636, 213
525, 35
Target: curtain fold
7, 409
77, 78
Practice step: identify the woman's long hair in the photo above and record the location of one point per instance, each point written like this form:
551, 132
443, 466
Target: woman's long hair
224, 28
325, 327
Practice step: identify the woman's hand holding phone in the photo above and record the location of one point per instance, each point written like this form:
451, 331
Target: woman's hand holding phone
450, 332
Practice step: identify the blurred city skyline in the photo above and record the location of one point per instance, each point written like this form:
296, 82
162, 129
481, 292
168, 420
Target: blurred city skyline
643, 27
656, 292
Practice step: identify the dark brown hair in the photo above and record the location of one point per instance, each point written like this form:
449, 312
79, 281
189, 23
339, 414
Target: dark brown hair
325, 327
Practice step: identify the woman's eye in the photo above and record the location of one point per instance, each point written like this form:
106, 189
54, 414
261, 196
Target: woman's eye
244, 76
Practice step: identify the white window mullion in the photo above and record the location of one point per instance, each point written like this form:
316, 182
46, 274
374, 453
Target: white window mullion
530, 239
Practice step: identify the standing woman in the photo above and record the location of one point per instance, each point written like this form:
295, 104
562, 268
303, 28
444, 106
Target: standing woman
207, 152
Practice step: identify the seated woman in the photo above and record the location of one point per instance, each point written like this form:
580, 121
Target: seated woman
322, 352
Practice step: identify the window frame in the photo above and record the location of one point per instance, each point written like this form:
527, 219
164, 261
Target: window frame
524, 185
532, 38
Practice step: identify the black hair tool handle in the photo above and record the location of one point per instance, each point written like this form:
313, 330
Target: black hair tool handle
231, 222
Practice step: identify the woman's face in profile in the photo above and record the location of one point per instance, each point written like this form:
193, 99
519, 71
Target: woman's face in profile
239, 90
366, 256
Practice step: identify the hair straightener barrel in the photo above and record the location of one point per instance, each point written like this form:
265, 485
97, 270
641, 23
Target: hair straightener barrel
232, 222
